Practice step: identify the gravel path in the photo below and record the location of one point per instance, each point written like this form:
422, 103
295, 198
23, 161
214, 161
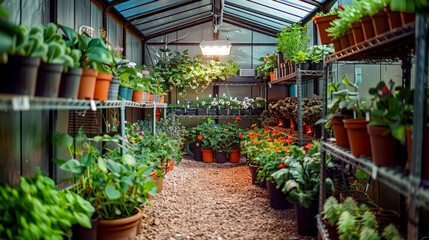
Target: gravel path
215, 201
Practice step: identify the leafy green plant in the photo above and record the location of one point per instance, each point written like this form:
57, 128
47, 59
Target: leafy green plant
301, 57
316, 52
28, 42
37, 210
231, 68
291, 40
7, 31
267, 65
411, 6
332, 210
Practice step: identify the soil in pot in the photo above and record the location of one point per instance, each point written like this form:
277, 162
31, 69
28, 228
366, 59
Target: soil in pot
254, 173
337, 45
48, 80
409, 136
137, 96
220, 157
380, 22
69, 85
119, 229
19, 74
357, 31
113, 89
358, 137
102, 86
368, 27
123, 93
87, 84
277, 197
322, 24
306, 219
83, 233
340, 131
234, 155
207, 155
358, 196
385, 148
198, 155
394, 18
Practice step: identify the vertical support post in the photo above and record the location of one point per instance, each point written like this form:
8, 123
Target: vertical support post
105, 11
165, 111
54, 12
299, 95
406, 72
422, 38
123, 125
154, 118
124, 37
143, 51
53, 126
322, 193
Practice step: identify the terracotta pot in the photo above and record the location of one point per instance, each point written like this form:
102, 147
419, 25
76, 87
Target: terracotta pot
159, 181
409, 139
306, 219
271, 76
234, 156
394, 18
332, 230
385, 148
87, 84
83, 233
358, 196
358, 137
350, 36
368, 27
102, 84
340, 131
254, 173
277, 197
69, 86
149, 98
345, 43
380, 23
170, 166
207, 155
137, 96
357, 31
48, 80
220, 157
161, 99
322, 24
158, 114
337, 45
23, 71
408, 17
386, 217
113, 89
119, 229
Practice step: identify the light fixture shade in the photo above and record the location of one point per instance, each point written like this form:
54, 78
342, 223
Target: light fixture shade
216, 47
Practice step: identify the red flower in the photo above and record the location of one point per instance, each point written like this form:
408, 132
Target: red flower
255, 142
273, 133
271, 57
117, 122
137, 128
341, 7
281, 165
189, 127
308, 146
200, 137
277, 150
269, 140
238, 118
229, 122
230, 133
289, 140
247, 129
241, 136
266, 61
266, 130
141, 133
236, 124
255, 128
210, 130
268, 54
286, 150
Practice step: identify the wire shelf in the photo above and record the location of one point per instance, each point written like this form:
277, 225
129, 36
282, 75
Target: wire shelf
291, 78
322, 229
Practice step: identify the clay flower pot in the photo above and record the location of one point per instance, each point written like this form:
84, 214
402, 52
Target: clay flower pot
368, 27
161, 99
408, 17
380, 22
149, 98
350, 36
254, 173
69, 86
345, 43
170, 166
87, 84
385, 148
125, 228
386, 217
358, 137
234, 156
394, 18
357, 32
322, 24
337, 45
137, 96
48, 80
23, 71
207, 155
102, 86
159, 181
340, 131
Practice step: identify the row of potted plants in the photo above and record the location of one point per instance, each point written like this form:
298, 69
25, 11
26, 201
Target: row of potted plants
352, 24
219, 105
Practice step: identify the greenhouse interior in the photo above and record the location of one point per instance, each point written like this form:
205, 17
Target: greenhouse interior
214, 119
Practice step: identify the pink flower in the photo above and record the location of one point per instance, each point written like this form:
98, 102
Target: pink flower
141, 133
137, 128
117, 122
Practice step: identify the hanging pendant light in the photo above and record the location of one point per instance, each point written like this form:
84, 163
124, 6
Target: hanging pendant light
215, 47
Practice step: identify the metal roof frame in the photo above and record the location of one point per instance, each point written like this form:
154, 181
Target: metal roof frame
181, 27
249, 25
175, 20
162, 9
228, 3
251, 15
273, 8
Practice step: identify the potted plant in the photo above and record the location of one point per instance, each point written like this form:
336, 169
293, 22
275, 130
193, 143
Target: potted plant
70, 78
231, 69
258, 105
209, 140
191, 107
235, 107
224, 105
193, 136
213, 107
138, 88
323, 22
291, 40
316, 54
301, 58
268, 63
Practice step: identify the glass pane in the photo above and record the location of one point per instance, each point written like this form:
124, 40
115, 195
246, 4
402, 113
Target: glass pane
260, 21
140, 8
235, 34
255, 17
261, 38
177, 18
240, 55
261, 51
173, 24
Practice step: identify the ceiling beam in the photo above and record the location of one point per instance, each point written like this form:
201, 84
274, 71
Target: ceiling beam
226, 20
175, 20
181, 27
327, 5
316, 4
116, 2
187, 10
289, 4
251, 24
258, 12
162, 9
273, 8
254, 15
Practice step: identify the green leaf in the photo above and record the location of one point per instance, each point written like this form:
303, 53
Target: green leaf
114, 167
82, 219
97, 138
102, 164
150, 188
72, 166
128, 159
112, 193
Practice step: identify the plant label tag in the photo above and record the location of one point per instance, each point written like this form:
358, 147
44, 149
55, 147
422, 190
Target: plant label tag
367, 116
197, 144
21, 103
374, 172
92, 104
269, 85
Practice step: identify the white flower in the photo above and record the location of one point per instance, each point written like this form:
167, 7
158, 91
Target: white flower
258, 105
228, 103
214, 103
132, 64
109, 47
203, 103
118, 49
246, 99
139, 75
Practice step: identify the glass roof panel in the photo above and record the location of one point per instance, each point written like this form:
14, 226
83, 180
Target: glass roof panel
142, 8
256, 16
260, 21
194, 8
178, 17
132, 4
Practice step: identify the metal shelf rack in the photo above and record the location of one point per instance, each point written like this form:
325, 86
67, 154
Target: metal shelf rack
216, 116
393, 45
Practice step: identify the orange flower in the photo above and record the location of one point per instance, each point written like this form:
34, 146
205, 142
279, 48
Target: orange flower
277, 150
238, 118
210, 130
286, 150
251, 133
200, 137
258, 134
269, 140
253, 124
289, 140
266, 137
282, 158
267, 130
252, 137
255, 142
281, 165
308, 146
273, 133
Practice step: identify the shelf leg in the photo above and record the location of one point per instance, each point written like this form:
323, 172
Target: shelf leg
154, 119
123, 125
422, 38
299, 95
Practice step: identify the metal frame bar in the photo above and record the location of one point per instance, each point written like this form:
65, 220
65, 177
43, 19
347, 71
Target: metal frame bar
258, 30
327, 4
315, 3
299, 96
116, 2
258, 12
251, 15
322, 193
136, 6
175, 20
273, 8
253, 21
184, 26
187, 10
197, 44
250, 24
161, 9
291, 5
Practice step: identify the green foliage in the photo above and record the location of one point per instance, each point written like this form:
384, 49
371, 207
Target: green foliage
410, 6
332, 210
316, 52
37, 210
172, 128
291, 40
28, 42
231, 68
267, 65
7, 32
301, 57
